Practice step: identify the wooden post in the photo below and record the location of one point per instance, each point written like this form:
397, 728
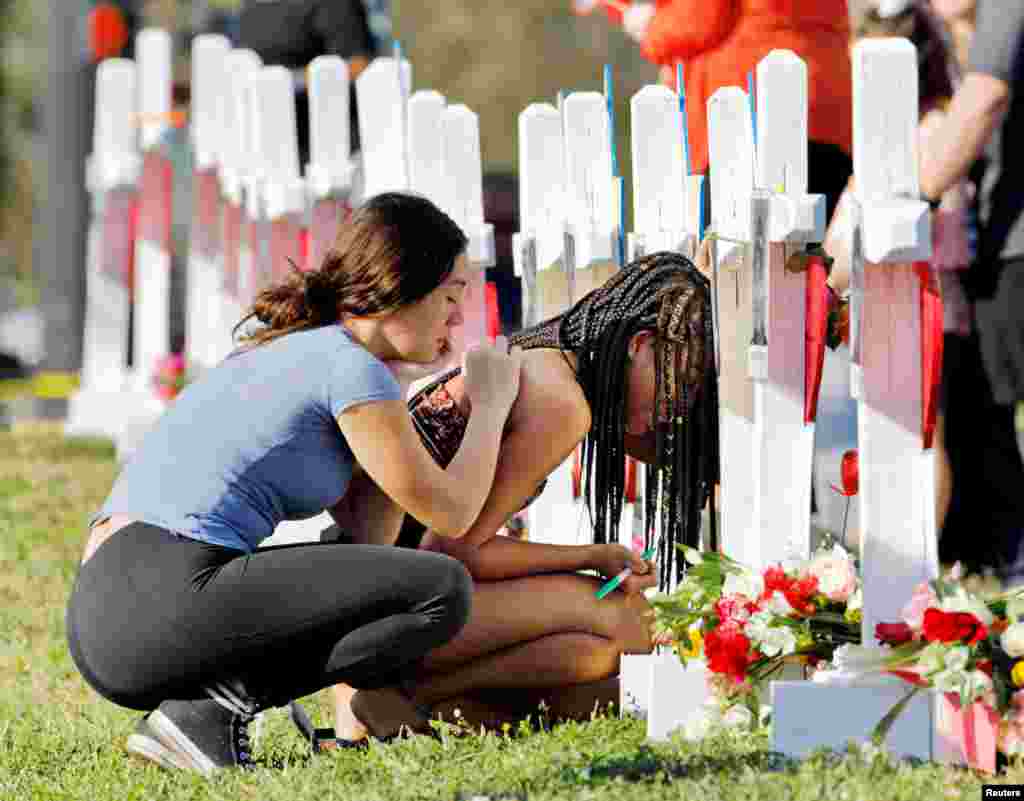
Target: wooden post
382, 92
112, 175
464, 203
205, 340
236, 177
539, 248
330, 171
282, 189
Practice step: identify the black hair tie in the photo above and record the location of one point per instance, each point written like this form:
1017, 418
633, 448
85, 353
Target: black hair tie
318, 296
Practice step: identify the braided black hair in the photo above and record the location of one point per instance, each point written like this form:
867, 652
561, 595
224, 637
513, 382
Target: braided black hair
666, 294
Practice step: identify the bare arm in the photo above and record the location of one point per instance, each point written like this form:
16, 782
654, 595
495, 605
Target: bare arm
977, 108
548, 421
384, 442
366, 513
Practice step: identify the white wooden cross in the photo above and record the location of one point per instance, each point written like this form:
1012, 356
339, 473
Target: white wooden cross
331, 169
112, 174
762, 215
463, 167
665, 216
152, 286
282, 190
897, 490
238, 180
382, 90
206, 342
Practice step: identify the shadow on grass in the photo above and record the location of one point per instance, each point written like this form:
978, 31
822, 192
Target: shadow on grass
647, 764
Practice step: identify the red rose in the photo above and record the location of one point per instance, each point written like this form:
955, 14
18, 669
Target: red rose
728, 652
893, 633
797, 591
849, 471
775, 578
962, 627
800, 593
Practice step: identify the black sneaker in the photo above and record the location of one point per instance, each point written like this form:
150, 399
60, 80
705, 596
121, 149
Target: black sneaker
207, 735
145, 744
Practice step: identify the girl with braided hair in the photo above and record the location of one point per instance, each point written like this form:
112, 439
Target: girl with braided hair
175, 609
629, 369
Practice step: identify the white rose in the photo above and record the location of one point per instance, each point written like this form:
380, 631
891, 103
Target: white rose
980, 684
778, 642
738, 717
778, 605
701, 722
860, 658
749, 585
950, 681
957, 658
1013, 640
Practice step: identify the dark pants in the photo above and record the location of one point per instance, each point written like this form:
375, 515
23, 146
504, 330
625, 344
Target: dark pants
984, 526
155, 616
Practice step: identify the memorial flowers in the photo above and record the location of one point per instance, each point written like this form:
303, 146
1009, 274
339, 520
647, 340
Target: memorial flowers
968, 648
748, 624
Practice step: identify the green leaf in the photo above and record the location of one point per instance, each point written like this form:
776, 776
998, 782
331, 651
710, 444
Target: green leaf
881, 730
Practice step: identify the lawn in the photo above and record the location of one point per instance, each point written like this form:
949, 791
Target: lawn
59, 740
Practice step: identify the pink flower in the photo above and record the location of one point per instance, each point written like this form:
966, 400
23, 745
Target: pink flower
176, 362
734, 609
1017, 701
836, 574
913, 613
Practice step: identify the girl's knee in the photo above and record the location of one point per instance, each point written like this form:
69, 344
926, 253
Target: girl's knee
633, 625
454, 595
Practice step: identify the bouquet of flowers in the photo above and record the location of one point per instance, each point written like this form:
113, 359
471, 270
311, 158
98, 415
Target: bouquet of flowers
169, 376
748, 624
969, 648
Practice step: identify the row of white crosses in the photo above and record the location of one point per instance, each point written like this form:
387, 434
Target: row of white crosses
416, 141
249, 204
568, 243
761, 213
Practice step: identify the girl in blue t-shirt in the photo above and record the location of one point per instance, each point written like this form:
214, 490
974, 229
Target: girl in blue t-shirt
174, 610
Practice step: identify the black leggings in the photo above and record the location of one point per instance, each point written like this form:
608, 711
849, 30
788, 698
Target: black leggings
155, 616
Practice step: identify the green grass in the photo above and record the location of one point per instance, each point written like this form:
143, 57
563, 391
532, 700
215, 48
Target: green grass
59, 740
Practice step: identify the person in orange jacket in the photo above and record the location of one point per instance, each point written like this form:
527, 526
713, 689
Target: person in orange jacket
719, 42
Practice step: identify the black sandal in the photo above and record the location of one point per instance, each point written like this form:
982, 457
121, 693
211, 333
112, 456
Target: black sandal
321, 740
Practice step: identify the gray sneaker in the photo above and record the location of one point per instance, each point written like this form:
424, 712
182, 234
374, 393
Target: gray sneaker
204, 734
145, 744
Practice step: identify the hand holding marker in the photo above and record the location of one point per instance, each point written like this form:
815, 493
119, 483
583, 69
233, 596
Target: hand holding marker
614, 583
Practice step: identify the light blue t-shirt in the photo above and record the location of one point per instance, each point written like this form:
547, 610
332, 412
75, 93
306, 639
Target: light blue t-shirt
254, 441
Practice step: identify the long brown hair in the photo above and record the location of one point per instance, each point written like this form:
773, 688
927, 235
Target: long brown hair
395, 250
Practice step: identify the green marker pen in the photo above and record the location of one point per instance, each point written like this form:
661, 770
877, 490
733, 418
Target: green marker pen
612, 584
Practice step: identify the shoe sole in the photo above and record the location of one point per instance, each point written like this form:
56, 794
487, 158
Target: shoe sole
175, 739
152, 750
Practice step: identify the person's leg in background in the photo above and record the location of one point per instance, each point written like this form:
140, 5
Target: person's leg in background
999, 508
